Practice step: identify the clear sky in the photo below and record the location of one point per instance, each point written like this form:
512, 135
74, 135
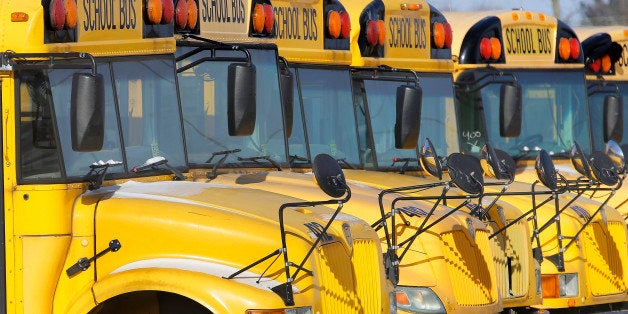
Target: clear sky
569, 9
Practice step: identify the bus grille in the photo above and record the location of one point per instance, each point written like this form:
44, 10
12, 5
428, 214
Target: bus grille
512, 269
605, 255
350, 286
469, 267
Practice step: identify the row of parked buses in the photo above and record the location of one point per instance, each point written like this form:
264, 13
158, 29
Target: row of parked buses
366, 156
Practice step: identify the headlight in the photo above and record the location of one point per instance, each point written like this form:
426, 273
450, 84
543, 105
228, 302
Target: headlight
418, 300
294, 310
560, 285
568, 285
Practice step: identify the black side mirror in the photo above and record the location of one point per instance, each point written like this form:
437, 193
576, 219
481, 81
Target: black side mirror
241, 99
329, 175
408, 120
510, 110
545, 170
87, 112
430, 160
613, 118
286, 85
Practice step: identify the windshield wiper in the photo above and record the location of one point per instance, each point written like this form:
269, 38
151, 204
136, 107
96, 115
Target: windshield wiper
258, 158
97, 171
152, 163
405, 162
561, 154
220, 162
345, 162
295, 157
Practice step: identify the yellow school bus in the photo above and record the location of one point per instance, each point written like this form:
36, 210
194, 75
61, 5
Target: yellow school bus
418, 47
447, 261
97, 216
605, 54
583, 241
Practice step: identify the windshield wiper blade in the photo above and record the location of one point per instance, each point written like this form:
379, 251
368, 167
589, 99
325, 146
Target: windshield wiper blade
222, 152
561, 154
345, 162
97, 171
220, 162
295, 157
405, 162
152, 163
258, 158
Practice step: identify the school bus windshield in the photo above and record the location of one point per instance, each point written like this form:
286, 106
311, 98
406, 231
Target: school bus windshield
144, 99
327, 106
554, 115
204, 102
596, 109
437, 102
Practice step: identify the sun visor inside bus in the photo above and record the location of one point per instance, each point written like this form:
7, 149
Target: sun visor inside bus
241, 110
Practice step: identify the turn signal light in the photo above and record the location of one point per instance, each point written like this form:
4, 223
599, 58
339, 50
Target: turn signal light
606, 63
496, 48
439, 35
154, 11
185, 14
568, 48
333, 23
596, 65
263, 18
168, 11
345, 25
63, 14
490, 49
574, 46
551, 288
449, 36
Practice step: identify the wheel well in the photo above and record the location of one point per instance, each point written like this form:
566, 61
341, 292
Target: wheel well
149, 302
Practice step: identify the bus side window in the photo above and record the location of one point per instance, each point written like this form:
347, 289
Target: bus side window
38, 148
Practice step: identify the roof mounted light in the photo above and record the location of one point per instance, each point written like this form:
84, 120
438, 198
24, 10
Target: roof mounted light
333, 24
63, 14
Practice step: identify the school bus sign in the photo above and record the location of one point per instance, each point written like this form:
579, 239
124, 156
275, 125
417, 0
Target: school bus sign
529, 42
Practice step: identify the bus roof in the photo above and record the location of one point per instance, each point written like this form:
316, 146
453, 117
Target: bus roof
526, 39
234, 22
409, 36
609, 42
107, 28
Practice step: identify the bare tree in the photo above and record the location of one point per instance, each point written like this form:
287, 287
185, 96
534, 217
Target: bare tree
556, 8
605, 12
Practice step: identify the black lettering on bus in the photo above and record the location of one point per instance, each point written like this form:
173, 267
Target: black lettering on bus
314, 30
204, 7
237, 11
87, 6
622, 60
423, 32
